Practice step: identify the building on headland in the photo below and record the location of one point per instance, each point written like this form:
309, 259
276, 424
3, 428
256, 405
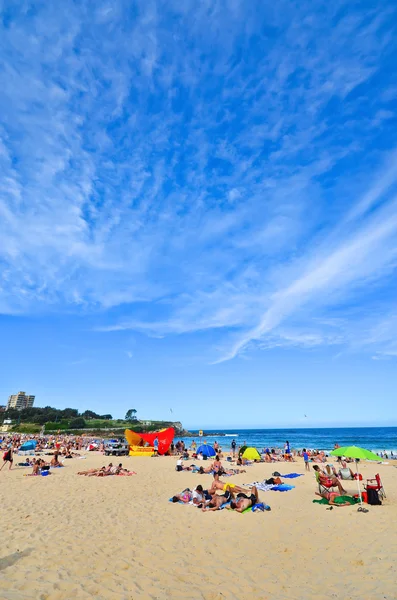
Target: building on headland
20, 401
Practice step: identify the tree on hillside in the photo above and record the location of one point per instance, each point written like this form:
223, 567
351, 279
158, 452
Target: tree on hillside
106, 417
69, 413
90, 414
11, 413
130, 415
40, 419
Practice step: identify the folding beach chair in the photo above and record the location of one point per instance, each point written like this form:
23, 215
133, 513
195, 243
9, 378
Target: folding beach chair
376, 484
345, 474
323, 487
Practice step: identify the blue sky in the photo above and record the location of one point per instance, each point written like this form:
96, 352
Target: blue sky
198, 209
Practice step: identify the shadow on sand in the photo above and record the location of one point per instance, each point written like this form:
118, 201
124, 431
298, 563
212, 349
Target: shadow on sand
11, 559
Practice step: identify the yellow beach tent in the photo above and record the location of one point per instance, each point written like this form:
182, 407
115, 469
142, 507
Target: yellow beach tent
251, 454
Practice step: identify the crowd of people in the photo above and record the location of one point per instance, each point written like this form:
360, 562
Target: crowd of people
220, 494
58, 447
231, 496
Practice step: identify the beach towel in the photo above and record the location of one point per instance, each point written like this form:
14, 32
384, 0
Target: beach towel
338, 500
266, 487
260, 507
262, 486
292, 475
284, 487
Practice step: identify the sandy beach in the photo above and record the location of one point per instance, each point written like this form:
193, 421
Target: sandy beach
118, 538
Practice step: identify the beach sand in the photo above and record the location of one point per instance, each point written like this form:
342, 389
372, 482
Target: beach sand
66, 536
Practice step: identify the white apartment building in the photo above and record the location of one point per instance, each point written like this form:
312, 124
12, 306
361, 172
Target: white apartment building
20, 401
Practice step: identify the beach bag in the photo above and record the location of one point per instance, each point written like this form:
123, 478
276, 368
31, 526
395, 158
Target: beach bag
373, 497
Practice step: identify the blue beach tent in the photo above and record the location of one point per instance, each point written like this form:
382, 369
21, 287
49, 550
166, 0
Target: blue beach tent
30, 445
206, 450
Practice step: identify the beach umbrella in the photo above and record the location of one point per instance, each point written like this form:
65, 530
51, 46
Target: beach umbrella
206, 450
357, 453
251, 454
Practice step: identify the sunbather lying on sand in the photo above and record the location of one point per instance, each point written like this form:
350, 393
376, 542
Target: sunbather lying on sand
330, 496
98, 472
88, 472
203, 470
217, 484
233, 471
119, 470
217, 501
242, 501
105, 471
184, 496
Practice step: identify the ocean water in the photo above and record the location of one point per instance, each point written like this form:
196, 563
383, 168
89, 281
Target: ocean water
377, 439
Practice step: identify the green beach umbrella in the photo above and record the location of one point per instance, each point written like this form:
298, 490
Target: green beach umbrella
355, 452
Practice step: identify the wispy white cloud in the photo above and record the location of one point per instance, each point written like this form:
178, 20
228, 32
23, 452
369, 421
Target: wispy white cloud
220, 165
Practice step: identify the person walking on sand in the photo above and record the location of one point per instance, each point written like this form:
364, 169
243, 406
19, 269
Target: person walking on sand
7, 457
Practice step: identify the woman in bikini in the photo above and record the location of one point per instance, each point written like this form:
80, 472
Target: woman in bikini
185, 496
330, 496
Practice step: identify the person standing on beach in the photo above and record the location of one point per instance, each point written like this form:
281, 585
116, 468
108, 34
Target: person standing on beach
233, 447
7, 457
306, 459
